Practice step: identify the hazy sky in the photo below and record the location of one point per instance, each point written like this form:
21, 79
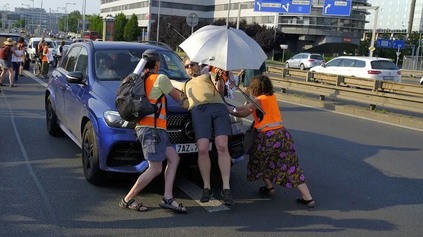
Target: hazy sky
93, 6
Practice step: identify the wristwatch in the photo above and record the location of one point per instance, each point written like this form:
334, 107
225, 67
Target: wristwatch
234, 109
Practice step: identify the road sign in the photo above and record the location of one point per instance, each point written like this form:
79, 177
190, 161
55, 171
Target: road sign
371, 48
337, 7
390, 44
398, 44
384, 43
283, 6
192, 19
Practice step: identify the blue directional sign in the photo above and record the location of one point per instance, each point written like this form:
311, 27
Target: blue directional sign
337, 8
398, 44
384, 43
283, 6
390, 44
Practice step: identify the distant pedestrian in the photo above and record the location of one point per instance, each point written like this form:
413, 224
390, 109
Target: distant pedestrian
273, 156
248, 74
8, 50
18, 61
44, 60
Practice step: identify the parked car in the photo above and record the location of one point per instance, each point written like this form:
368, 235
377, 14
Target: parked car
15, 37
304, 61
79, 101
33, 43
363, 67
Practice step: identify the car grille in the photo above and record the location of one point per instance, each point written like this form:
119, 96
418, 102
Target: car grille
179, 128
125, 154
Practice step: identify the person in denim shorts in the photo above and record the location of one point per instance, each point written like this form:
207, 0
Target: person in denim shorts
151, 132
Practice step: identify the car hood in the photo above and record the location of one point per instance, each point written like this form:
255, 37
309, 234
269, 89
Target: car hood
106, 91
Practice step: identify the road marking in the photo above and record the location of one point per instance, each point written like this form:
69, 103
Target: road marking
41, 82
194, 192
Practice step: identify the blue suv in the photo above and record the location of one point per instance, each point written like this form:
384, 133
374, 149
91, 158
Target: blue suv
79, 102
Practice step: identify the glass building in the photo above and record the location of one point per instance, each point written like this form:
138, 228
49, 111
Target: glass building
306, 32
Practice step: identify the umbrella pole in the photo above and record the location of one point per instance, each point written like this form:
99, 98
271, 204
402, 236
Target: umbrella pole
247, 96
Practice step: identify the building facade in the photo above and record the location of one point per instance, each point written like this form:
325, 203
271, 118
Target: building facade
311, 32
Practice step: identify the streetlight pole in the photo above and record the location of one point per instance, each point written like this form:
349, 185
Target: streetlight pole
84, 10
40, 16
372, 41
158, 21
229, 10
67, 17
32, 17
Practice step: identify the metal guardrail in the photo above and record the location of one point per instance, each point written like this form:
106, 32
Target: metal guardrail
402, 96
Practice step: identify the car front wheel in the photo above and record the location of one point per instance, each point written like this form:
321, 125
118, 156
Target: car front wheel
90, 159
286, 65
302, 67
53, 127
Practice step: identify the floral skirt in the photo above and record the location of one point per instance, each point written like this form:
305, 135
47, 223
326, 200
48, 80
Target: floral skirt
273, 157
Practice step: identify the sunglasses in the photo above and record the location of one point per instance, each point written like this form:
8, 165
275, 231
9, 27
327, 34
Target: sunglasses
190, 65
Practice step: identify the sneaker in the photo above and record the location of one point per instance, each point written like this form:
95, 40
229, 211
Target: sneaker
227, 197
206, 195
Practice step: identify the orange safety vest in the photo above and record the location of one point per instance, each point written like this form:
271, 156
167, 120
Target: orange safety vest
149, 119
45, 52
272, 120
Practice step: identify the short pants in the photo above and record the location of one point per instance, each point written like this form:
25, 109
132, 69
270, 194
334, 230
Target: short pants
153, 149
210, 120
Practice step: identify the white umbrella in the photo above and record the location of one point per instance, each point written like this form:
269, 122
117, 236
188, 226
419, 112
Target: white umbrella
223, 47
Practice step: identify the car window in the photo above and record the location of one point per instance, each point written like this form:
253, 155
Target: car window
117, 64
333, 63
383, 65
70, 61
316, 56
359, 63
347, 62
82, 62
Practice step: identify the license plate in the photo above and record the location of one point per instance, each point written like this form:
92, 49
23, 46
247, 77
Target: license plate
188, 147
388, 78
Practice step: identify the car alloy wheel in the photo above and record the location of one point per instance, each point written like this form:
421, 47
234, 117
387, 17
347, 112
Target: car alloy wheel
53, 127
90, 159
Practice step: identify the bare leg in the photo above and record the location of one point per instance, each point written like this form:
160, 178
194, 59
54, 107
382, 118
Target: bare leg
305, 193
154, 169
204, 161
224, 159
170, 171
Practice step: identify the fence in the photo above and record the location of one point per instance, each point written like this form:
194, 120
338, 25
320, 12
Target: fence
412, 63
402, 96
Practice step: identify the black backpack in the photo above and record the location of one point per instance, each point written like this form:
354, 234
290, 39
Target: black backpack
5, 52
131, 100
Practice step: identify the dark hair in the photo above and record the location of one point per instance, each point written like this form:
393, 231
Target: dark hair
21, 39
261, 85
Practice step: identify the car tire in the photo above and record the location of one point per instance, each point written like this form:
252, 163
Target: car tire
302, 67
53, 127
287, 65
90, 159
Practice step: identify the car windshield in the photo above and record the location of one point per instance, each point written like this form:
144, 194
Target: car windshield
4, 38
117, 64
383, 65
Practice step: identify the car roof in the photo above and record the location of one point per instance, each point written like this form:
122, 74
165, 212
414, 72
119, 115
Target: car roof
364, 58
9, 34
39, 38
105, 45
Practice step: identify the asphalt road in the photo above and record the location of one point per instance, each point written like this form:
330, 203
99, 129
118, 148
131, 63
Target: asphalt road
365, 176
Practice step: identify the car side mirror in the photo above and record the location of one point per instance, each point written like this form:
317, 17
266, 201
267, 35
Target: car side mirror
75, 77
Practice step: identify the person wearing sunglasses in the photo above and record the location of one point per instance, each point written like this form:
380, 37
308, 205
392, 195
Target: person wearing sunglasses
210, 119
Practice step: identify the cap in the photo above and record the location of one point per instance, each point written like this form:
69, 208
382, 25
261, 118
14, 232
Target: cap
151, 55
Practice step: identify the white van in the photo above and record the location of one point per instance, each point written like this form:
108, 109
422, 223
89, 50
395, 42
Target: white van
33, 43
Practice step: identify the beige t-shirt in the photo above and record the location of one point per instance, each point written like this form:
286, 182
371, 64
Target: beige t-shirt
162, 85
200, 90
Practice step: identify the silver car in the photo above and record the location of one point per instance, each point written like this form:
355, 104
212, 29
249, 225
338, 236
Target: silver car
304, 61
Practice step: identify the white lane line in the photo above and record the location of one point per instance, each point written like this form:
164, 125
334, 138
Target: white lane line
194, 192
41, 82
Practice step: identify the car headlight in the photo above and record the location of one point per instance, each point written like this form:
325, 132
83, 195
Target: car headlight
113, 120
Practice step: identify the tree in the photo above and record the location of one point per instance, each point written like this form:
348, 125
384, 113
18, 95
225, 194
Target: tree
73, 21
95, 23
132, 31
120, 24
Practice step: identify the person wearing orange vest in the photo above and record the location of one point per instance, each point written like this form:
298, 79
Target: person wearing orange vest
151, 132
273, 157
44, 60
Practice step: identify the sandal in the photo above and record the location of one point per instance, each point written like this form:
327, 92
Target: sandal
13, 85
266, 191
167, 204
132, 205
309, 203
